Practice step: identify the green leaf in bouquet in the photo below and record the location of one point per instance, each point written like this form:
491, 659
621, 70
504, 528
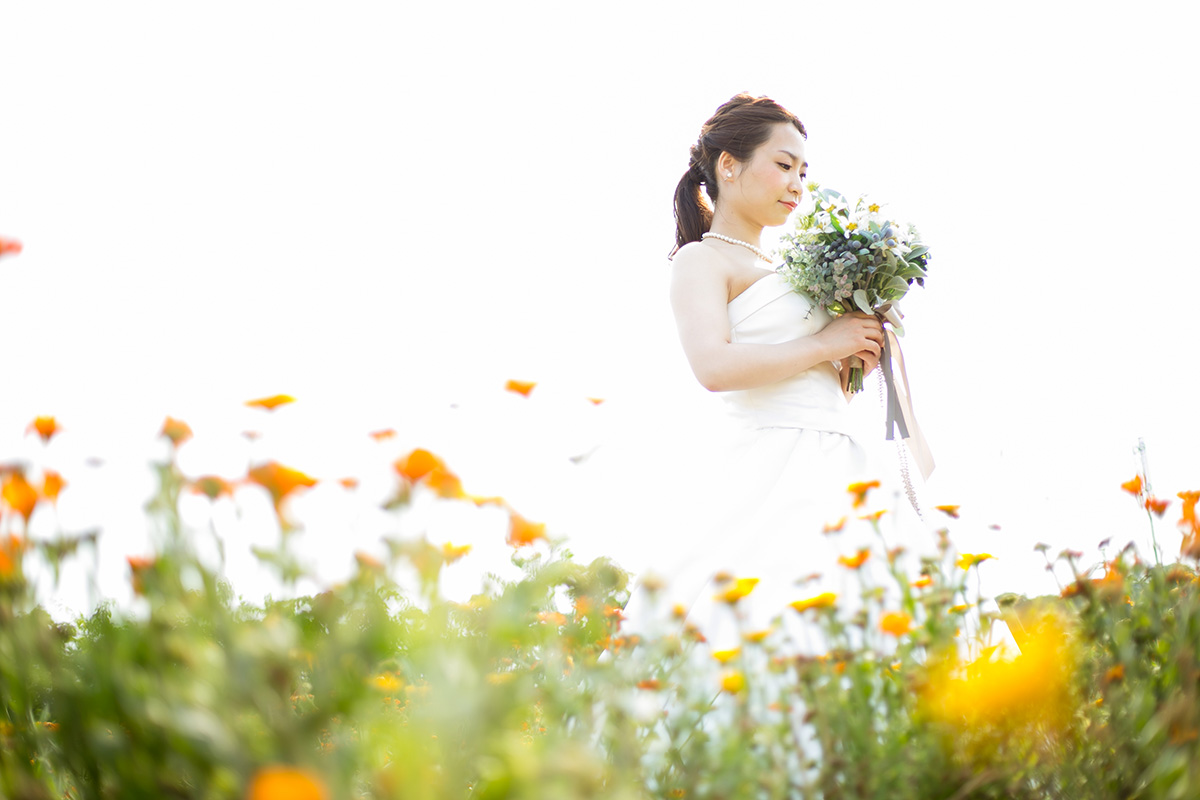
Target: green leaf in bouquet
897, 284
910, 271
861, 300
833, 220
917, 252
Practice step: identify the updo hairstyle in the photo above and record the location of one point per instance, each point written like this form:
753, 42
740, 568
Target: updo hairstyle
738, 127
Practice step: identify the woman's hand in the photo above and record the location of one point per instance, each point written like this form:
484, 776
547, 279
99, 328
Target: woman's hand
854, 334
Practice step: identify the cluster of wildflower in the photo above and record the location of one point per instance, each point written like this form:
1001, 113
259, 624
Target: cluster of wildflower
847, 255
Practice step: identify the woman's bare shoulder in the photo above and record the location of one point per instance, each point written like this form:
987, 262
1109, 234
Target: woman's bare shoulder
698, 259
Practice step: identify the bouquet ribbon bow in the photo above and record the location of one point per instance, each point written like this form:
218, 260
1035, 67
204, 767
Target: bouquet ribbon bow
900, 414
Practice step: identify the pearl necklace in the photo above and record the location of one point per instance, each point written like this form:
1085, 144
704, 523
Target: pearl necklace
731, 240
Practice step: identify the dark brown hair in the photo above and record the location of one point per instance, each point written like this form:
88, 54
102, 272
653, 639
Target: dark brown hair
738, 127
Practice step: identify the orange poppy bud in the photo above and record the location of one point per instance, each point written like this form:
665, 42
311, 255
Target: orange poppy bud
138, 566
522, 388
649, 684
45, 427
175, 430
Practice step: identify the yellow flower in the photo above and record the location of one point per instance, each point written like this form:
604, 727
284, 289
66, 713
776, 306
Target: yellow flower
897, 623
522, 388
286, 783
522, 532
453, 553
740, 588
733, 682
873, 208
968, 560
874, 515
949, 511
725, 656
923, 582
757, 636
387, 682
823, 600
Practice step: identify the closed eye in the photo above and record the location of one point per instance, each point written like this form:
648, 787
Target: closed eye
785, 167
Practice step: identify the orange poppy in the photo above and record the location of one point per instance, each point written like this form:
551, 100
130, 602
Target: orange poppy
279, 480
874, 515
649, 684
1158, 507
19, 495
949, 511
595, 400
45, 427
52, 484
417, 464
834, 527
1189, 507
383, 434
271, 403
923, 582
857, 560
212, 487
10, 247
522, 532
286, 783
175, 430
522, 388
1133, 485
348, 483
823, 600
896, 623
860, 489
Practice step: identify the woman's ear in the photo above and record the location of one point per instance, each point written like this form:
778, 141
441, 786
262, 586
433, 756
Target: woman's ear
727, 167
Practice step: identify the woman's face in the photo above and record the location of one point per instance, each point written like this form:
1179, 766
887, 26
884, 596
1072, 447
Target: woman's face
766, 189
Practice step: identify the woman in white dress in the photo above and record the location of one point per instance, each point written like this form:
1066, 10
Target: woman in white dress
780, 363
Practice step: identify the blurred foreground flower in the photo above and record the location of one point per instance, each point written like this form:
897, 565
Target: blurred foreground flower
45, 427
286, 783
176, 430
10, 247
860, 489
823, 600
18, 495
279, 481
522, 532
271, 403
522, 388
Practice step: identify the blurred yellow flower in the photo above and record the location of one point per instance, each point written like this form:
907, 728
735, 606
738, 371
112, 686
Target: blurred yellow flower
923, 582
949, 510
739, 589
874, 515
45, 427
897, 623
725, 656
387, 682
286, 783
857, 560
968, 560
452, 553
733, 682
860, 489
271, 403
595, 400
757, 636
552, 618
823, 600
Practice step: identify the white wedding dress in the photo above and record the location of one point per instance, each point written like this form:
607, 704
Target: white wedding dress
757, 505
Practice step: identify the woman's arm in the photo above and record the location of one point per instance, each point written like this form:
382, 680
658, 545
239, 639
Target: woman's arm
700, 297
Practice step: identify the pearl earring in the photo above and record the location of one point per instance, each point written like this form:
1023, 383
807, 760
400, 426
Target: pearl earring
728, 174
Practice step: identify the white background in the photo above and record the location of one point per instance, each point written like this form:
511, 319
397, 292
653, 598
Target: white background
388, 210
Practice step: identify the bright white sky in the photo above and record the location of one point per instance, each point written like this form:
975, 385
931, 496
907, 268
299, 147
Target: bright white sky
386, 210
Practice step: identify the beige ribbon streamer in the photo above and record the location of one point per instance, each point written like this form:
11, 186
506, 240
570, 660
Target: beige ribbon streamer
918, 447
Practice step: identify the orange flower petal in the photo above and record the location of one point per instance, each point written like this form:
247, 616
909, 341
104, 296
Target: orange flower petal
349, 483
834, 527
874, 515
823, 600
18, 495
522, 532
445, 483
383, 434
595, 400
857, 560
949, 511
175, 430
1133, 485
860, 489
896, 623
417, 464
52, 484
279, 480
923, 582
739, 589
286, 783
45, 427
452, 553
1159, 507
522, 388
271, 403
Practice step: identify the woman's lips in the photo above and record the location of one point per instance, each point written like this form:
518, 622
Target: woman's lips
791, 206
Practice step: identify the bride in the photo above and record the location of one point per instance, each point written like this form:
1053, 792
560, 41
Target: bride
780, 363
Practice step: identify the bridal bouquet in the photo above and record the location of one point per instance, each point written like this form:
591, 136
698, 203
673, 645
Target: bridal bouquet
847, 255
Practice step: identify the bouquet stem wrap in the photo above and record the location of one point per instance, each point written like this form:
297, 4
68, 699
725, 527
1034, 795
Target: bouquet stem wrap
899, 407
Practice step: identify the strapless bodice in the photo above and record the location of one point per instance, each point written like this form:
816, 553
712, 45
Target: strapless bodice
771, 312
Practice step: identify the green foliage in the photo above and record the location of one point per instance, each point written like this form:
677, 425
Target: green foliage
529, 690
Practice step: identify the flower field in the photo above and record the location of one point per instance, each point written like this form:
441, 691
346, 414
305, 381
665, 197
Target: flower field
381, 687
